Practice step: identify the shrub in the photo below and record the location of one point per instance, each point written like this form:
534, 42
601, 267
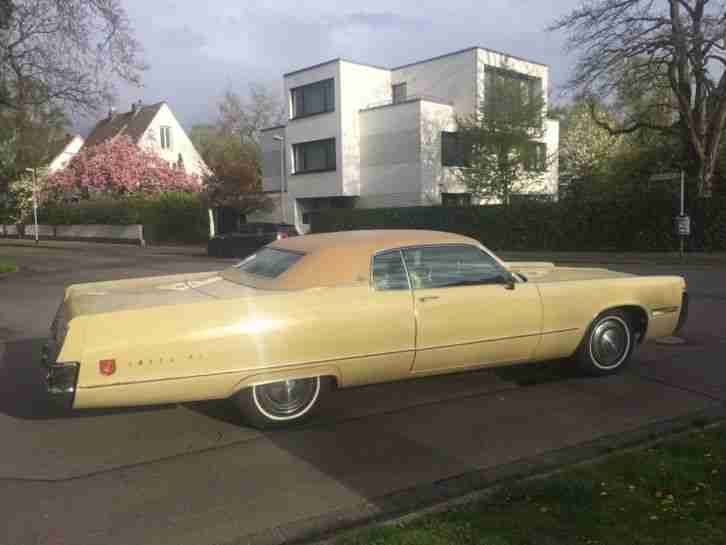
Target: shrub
636, 223
166, 217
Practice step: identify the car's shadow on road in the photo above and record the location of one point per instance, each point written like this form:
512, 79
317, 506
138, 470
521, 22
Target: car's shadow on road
22, 387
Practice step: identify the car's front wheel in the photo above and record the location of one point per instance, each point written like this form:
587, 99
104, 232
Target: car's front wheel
277, 404
608, 345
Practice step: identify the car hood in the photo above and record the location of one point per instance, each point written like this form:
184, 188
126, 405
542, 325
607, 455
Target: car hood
137, 293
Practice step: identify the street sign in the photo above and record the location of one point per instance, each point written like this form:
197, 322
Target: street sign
683, 225
665, 177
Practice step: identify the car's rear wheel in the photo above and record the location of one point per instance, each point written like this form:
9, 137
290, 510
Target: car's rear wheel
608, 345
277, 404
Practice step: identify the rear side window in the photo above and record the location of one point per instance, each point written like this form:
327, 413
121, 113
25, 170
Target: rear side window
451, 265
388, 272
269, 262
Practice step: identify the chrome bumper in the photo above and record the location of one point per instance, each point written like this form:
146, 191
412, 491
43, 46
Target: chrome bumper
61, 378
683, 316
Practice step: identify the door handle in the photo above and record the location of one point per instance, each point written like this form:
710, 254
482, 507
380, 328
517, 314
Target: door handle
428, 298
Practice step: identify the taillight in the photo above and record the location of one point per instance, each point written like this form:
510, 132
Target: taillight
281, 236
107, 367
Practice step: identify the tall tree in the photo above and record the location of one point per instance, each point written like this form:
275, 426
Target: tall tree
672, 53
65, 52
234, 178
586, 149
247, 117
499, 144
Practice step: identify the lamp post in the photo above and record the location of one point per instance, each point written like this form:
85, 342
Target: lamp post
35, 200
283, 184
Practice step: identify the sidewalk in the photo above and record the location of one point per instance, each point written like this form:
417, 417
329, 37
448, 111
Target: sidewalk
715, 259
106, 247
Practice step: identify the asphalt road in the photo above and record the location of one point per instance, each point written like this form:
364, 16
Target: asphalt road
193, 474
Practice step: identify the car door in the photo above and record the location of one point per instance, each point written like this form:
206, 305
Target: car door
469, 310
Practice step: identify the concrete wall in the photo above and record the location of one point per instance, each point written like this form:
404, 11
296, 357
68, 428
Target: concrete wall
180, 142
315, 127
434, 119
360, 87
390, 156
451, 78
270, 148
486, 58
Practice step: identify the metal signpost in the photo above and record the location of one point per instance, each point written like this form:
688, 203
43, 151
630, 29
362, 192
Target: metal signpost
35, 200
682, 221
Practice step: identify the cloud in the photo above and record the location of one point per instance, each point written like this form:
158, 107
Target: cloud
198, 50
183, 37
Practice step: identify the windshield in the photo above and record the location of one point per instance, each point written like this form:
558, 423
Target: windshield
268, 262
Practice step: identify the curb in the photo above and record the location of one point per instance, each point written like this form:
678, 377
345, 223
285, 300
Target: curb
412, 503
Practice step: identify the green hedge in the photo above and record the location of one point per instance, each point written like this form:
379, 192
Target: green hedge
169, 217
644, 223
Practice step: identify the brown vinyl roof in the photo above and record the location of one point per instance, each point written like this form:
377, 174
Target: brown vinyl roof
131, 124
333, 259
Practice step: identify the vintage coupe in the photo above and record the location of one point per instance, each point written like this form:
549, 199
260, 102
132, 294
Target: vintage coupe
304, 314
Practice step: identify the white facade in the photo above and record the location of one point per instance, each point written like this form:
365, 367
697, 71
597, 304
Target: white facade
174, 144
387, 152
66, 154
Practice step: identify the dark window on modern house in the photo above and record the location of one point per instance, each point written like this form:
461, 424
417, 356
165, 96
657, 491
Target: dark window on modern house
388, 272
165, 137
451, 265
314, 98
455, 150
456, 199
399, 92
314, 156
499, 97
535, 157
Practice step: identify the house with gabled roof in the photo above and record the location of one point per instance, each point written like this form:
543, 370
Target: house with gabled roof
153, 127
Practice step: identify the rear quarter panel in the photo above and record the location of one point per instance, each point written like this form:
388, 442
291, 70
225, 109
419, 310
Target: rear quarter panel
209, 350
571, 306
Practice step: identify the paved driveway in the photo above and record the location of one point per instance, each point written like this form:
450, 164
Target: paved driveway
193, 474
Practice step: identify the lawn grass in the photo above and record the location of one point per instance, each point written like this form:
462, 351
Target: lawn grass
673, 493
7, 267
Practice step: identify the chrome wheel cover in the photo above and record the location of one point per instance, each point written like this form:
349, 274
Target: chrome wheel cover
287, 399
609, 343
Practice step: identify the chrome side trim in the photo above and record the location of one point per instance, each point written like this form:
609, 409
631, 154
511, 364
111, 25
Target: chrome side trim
664, 310
482, 341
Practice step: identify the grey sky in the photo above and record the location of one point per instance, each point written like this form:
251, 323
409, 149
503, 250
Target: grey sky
197, 50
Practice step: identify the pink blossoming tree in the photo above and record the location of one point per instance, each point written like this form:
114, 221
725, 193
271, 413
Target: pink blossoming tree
119, 168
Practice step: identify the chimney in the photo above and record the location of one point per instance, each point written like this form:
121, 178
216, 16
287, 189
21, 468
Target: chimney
135, 107
111, 112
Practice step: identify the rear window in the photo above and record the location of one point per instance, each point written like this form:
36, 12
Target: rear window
269, 262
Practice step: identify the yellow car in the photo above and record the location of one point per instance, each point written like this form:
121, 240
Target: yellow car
305, 314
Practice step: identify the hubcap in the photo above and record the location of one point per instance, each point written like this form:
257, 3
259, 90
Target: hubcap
287, 398
610, 343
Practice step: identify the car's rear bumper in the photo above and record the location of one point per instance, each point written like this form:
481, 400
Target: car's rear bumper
61, 378
683, 316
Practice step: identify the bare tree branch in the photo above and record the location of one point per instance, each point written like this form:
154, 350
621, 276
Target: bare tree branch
72, 51
655, 45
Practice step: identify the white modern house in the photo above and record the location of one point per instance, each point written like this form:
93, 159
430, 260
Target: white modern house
367, 136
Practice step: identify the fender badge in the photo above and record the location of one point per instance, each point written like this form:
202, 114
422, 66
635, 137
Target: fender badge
107, 367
